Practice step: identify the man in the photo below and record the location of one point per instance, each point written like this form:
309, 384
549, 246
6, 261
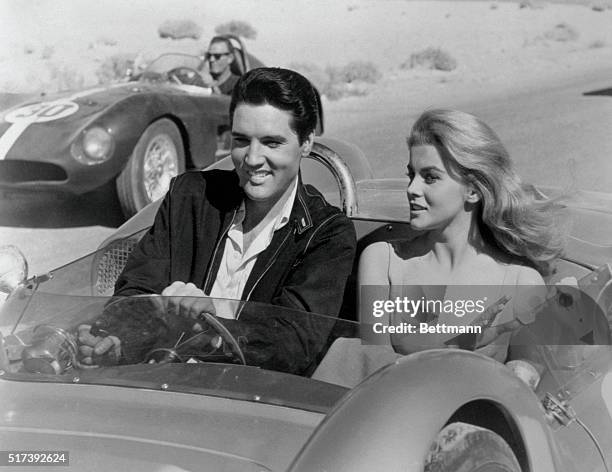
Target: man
256, 233
220, 57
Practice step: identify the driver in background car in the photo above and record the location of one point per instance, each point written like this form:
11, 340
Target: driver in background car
220, 57
256, 233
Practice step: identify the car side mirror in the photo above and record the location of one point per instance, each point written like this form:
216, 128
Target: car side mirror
13, 269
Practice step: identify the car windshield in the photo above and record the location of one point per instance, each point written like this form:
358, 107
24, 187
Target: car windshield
567, 338
168, 62
162, 348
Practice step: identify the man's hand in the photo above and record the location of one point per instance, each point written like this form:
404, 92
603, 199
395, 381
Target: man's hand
188, 301
97, 350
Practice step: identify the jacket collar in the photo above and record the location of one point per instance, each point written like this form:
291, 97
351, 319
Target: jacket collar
301, 218
300, 213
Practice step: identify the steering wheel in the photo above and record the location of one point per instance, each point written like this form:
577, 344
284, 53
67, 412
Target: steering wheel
185, 76
223, 346
144, 332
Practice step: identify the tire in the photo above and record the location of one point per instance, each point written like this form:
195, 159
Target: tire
158, 156
462, 447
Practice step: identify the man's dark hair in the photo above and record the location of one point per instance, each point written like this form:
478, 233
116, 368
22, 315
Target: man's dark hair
222, 39
283, 89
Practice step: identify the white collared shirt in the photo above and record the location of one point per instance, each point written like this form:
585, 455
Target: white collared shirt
238, 262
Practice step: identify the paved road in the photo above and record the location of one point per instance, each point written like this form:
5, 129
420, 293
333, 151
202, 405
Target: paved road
556, 135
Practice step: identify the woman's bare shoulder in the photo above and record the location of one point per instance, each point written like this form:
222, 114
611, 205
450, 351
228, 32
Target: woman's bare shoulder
530, 276
374, 250
526, 275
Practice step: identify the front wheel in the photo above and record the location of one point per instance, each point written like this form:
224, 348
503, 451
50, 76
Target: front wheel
157, 158
462, 447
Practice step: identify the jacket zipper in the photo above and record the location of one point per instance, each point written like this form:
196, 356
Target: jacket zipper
323, 223
270, 264
214, 256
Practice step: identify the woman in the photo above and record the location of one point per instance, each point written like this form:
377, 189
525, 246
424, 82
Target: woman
481, 238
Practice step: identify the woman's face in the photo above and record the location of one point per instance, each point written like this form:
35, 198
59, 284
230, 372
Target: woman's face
436, 197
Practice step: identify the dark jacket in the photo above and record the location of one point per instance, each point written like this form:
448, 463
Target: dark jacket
306, 265
227, 86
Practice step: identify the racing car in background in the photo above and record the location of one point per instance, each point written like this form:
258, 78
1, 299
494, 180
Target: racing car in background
179, 408
139, 133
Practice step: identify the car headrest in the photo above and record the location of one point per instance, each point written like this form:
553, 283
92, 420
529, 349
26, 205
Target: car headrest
238, 65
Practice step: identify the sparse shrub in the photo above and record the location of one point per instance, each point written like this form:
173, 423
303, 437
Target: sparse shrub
106, 41
28, 49
64, 77
317, 75
179, 29
494, 6
431, 58
597, 44
115, 67
335, 82
532, 4
237, 28
601, 5
561, 32
47, 52
352, 7
359, 71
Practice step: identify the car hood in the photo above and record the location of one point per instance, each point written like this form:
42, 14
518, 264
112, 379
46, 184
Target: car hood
29, 130
114, 428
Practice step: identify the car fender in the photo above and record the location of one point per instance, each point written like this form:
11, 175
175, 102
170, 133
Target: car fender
389, 421
137, 223
129, 118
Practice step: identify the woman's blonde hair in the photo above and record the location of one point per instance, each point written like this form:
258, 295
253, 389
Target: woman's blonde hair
510, 216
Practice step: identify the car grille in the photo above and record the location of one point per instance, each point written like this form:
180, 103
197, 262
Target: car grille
110, 264
14, 172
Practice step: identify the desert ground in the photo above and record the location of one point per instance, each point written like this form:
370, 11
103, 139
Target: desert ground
499, 48
497, 45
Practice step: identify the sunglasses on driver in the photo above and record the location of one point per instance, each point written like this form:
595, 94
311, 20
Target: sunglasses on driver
216, 56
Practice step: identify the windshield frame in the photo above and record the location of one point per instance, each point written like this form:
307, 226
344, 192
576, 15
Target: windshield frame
229, 381
36, 309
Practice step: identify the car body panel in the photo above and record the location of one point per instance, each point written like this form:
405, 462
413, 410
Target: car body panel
125, 111
395, 413
387, 422
579, 449
139, 429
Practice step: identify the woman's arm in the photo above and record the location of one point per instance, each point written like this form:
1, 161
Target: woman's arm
372, 291
530, 292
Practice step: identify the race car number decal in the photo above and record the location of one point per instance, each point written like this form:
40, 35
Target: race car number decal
42, 112
23, 117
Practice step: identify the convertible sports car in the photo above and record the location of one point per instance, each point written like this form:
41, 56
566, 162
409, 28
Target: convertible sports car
186, 401
139, 133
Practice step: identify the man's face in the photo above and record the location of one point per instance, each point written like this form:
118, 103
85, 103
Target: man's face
219, 58
265, 151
